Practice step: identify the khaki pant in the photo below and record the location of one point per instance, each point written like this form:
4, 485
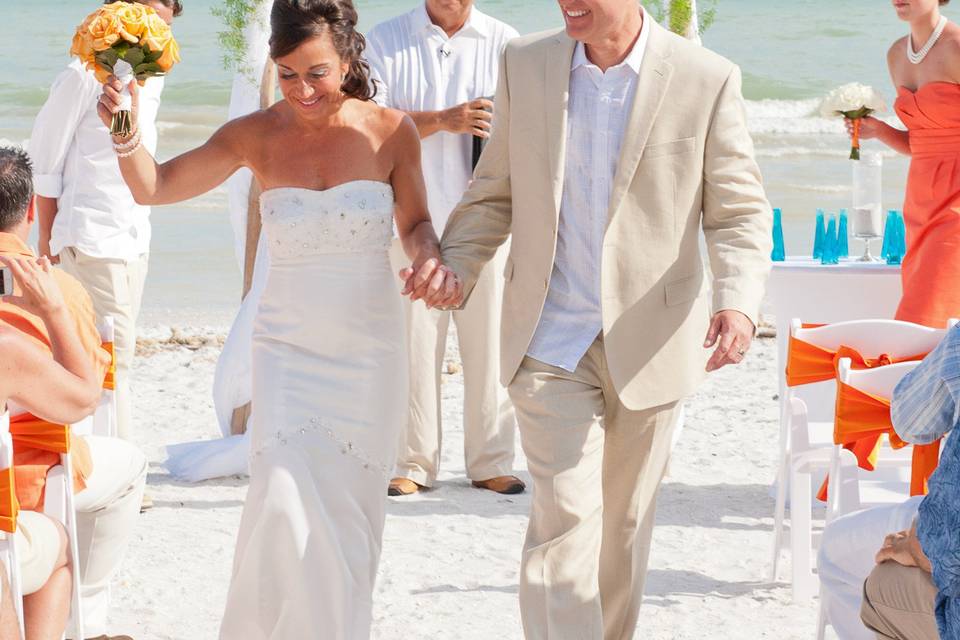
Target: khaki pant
116, 287
596, 469
898, 603
489, 423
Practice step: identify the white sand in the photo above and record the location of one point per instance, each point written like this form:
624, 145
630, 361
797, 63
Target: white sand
450, 558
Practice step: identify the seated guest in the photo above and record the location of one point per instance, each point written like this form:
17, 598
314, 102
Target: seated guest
110, 472
64, 389
912, 584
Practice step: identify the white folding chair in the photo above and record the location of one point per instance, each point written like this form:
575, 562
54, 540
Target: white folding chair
849, 490
8, 546
58, 503
807, 447
105, 416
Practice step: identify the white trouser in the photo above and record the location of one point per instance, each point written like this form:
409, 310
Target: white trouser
116, 288
107, 513
489, 421
846, 558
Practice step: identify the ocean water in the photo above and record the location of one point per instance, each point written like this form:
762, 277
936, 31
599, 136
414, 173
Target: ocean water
791, 52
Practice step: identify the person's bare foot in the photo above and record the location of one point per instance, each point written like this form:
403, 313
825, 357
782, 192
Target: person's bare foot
403, 487
501, 484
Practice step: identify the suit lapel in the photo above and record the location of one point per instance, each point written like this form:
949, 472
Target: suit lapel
556, 97
652, 84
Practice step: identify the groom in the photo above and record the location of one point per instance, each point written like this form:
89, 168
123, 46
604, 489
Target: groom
614, 144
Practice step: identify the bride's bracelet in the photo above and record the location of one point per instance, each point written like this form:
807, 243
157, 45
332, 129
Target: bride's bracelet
129, 147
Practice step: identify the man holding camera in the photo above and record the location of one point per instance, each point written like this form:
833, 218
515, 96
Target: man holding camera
438, 63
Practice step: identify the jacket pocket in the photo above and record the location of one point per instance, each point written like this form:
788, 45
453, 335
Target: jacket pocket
683, 290
672, 148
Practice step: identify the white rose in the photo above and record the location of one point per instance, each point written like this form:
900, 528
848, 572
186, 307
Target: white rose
851, 97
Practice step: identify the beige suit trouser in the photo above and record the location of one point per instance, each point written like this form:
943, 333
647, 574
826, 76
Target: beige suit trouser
116, 288
898, 603
489, 423
596, 469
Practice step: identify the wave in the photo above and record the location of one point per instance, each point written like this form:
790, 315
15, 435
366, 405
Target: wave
795, 117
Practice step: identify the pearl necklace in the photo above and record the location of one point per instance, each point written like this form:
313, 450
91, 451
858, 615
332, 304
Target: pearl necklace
916, 57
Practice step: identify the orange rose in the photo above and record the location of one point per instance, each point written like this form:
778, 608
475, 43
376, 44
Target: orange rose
156, 32
82, 46
132, 18
171, 55
104, 29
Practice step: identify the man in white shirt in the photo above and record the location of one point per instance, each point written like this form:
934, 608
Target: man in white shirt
88, 219
439, 64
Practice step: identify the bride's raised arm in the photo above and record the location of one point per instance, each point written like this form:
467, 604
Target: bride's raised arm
188, 175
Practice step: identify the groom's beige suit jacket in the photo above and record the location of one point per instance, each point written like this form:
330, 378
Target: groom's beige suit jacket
686, 165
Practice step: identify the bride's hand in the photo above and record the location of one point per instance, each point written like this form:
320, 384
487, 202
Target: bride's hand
110, 100
870, 127
433, 282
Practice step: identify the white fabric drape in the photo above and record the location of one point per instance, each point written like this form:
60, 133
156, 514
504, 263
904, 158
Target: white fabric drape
205, 459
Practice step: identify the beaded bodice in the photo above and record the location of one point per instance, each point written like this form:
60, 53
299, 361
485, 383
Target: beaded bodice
353, 217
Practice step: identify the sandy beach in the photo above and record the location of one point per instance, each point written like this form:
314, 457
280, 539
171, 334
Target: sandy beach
451, 555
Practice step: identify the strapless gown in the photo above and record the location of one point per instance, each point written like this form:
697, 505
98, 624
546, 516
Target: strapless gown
931, 209
329, 399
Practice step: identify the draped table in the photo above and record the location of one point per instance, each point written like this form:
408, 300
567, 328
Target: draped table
822, 294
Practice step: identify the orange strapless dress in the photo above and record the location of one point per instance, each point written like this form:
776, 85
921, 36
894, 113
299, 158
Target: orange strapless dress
931, 209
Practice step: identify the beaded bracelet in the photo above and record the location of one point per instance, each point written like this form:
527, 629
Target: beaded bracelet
127, 148
130, 152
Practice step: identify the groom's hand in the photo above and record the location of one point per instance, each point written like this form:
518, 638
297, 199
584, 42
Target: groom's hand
433, 282
731, 332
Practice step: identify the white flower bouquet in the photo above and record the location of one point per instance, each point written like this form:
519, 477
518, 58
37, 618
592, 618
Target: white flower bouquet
853, 101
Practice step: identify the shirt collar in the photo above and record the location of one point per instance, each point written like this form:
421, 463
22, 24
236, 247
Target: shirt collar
11, 244
633, 59
476, 24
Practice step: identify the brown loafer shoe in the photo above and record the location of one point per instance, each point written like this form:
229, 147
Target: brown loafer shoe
502, 484
403, 487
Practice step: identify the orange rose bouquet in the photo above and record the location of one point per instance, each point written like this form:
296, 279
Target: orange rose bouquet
130, 41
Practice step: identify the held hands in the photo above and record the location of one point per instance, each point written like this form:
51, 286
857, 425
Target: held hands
472, 117
870, 127
904, 548
433, 282
110, 101
731, 332
39, 292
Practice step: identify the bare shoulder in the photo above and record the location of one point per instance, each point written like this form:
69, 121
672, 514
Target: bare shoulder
897, 48
393, 127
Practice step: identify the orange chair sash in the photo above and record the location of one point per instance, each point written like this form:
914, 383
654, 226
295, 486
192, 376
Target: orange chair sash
9, 505
861, 421
110, 379
808, 363
37, 447
30, 431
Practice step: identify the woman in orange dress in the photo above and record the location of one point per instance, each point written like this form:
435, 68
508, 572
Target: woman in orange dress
925, 67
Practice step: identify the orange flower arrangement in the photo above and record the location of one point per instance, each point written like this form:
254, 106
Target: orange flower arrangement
128, 40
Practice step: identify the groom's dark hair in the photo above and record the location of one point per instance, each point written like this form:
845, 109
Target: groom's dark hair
16, 186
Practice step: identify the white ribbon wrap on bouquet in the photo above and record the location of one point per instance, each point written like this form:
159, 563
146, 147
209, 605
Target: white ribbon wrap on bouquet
124, 73
232, 388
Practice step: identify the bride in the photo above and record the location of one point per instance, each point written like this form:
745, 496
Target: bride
329, 361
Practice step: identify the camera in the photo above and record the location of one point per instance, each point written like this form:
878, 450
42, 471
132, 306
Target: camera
6, 282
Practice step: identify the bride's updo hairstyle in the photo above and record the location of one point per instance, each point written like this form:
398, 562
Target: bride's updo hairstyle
292, 22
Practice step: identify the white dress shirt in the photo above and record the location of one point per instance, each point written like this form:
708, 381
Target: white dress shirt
418, 68
74, 162
598, 110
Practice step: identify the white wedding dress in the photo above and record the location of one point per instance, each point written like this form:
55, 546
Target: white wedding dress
329, 399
